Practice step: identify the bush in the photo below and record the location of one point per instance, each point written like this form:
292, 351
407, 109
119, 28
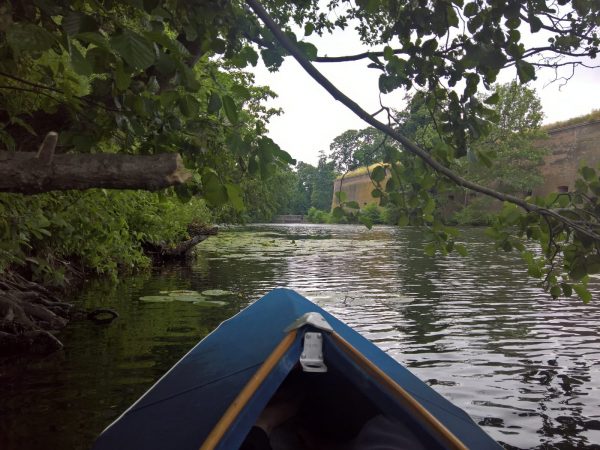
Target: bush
372, 212
318, 216
100, 230
391, 214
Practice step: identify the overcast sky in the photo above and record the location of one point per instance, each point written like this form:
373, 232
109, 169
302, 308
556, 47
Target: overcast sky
312, 118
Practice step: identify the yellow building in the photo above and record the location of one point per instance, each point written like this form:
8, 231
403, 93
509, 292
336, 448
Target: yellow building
358, 186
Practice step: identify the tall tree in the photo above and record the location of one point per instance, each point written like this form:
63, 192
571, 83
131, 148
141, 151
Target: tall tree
511, 154
355, 148
322, 184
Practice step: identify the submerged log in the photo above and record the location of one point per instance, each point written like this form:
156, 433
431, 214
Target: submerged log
163, 253
34, 173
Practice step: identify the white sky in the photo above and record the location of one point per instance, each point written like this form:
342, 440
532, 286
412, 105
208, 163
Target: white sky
312, 118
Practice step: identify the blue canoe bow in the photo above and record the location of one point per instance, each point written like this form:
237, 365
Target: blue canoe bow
213, 396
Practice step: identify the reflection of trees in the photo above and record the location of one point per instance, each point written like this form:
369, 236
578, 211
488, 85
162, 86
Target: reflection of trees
416, 273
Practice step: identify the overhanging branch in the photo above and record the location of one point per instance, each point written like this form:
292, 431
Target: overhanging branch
407, 143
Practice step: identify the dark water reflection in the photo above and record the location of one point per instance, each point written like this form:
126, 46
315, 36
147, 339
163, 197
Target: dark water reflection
524, 366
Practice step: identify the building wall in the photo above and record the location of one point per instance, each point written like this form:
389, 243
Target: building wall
357, 188
569, 147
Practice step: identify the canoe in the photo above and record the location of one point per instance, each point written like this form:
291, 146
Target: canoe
343, 390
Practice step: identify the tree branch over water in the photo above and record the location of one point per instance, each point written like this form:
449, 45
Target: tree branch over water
408, 145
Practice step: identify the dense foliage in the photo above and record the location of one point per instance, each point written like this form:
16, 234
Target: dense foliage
54, 234
153, 76
124, 77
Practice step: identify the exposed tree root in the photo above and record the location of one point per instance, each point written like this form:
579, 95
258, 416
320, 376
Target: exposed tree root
29, 317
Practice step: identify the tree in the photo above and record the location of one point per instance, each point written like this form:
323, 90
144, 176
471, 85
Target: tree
355, 148
436, 52
132, 78
512, 151
322, 184
142, 74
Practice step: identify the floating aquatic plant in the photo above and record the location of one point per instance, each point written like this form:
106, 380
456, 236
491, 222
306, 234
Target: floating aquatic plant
185, 296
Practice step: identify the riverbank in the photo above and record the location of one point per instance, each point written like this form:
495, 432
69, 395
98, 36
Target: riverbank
32, 314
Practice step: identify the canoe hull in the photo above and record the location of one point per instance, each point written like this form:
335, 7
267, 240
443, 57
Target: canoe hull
183, 408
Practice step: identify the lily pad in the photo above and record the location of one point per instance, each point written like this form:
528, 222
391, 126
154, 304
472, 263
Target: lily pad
182, 296
216, 293
180, 293
188, 298
209, 303
157, 298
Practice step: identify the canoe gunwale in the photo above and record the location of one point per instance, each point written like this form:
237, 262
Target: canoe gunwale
404, 396
236, 407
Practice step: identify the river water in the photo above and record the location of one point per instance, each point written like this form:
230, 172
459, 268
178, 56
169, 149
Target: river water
475, 328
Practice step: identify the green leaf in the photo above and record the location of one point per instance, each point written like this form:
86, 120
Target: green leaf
588, 173
214, 103
352, 204
308, 29
430, 249
309, 50
555, 291
79, 63
122, 78
366, 221
403, 220
338, 212
135, 50
272, 58
76, 22
234, 194
241, 92
92, 38
28, 38
525, 71
168, 98
461, 249
578, 271
230, 109
214, 192
535, 23
378, 173
183, 193
567, 289
492, 99
18, 121
582, 292
341, 196
189, 106
592, 263
470, 9
429, 206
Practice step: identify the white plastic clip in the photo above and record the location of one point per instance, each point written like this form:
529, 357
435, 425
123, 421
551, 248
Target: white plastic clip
311, 358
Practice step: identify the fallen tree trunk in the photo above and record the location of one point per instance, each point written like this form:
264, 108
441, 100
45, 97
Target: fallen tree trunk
34, 173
